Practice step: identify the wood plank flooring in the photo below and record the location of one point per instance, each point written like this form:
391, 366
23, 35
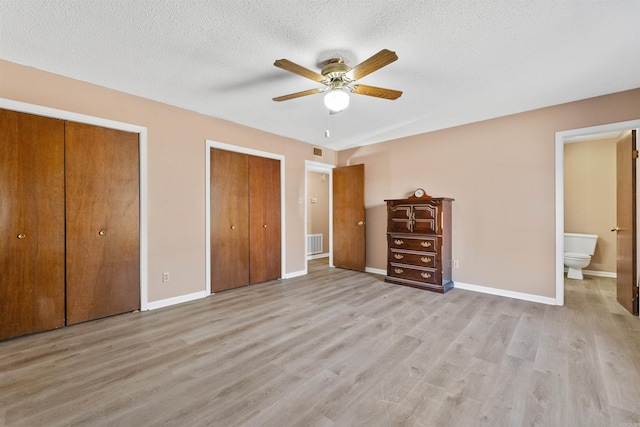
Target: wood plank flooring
335, 348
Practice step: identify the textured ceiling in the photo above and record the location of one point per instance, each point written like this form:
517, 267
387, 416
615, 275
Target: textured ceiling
459, 61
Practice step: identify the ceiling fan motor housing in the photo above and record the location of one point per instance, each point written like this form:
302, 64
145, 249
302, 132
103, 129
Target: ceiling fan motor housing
335, 72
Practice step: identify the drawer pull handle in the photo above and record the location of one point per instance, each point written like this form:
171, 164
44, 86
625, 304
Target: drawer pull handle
398, 241
425, 244
398, 256
425, 259
425, 275
398, 270
21, 236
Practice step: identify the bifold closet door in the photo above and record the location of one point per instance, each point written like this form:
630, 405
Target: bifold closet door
103, 220
229, 187
264, 219
31, 224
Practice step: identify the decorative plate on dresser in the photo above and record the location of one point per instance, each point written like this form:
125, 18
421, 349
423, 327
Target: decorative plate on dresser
419, 242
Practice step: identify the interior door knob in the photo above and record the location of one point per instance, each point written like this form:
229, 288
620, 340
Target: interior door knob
616, 229
101, 232
21, 236
360, 222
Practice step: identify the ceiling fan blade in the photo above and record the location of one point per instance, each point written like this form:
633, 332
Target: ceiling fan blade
377, 61
297, 94
287, 65
378, 92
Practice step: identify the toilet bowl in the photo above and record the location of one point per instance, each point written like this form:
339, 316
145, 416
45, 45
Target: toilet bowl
578, 249
575, 262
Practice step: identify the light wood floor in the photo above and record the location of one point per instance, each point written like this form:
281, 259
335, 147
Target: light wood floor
335, 348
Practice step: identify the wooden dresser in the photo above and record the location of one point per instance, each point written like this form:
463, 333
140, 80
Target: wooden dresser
419, 243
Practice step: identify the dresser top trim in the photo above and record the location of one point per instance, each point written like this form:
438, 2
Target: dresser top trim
419, 201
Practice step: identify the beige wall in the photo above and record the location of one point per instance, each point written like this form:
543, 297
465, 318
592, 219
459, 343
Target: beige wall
590, 197
318, 212
501, 173
176, 170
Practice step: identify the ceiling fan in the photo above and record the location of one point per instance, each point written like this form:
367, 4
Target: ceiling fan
337, 76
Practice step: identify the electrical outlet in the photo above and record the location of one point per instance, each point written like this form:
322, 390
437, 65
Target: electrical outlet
166, 277
456, 263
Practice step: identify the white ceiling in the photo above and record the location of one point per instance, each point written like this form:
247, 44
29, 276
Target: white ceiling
459, 61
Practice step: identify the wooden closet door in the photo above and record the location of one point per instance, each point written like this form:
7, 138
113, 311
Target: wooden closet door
229, 219
264, 219
103, 220
31, 223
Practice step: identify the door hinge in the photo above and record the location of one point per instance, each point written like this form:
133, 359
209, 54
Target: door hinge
635, 154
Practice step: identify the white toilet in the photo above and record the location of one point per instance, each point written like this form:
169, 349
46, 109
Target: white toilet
578, 249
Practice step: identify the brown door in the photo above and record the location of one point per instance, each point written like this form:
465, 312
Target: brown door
627, 291
264, 219
31, 223
349, 218
103, 219
229, 220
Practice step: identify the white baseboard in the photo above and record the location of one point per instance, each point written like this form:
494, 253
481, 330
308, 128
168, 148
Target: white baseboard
175, 300
505, 293
153, 305
611, 274
295, 274
316, 256
375, 270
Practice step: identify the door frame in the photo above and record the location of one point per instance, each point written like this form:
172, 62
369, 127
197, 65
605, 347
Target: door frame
209, 144
55, 113
313, 166
562, 137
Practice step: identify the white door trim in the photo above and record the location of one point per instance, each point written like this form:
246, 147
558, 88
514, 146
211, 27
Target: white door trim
561, 138
39, 110
312, 166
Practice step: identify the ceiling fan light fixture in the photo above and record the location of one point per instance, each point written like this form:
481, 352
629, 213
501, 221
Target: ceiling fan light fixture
336, 100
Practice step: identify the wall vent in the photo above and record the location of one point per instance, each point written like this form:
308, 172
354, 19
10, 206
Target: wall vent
317, 151
314, 244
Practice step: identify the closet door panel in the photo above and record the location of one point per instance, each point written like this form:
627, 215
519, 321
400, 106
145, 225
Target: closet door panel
103, 220
31, 224
229, 219
264, 208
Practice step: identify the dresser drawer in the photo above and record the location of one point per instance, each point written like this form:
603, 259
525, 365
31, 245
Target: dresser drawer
425, 275
415, 243
421, 259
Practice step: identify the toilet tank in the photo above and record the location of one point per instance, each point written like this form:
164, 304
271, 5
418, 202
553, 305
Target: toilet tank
580, 243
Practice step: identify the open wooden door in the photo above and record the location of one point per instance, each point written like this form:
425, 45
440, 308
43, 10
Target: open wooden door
627, 291
349, 218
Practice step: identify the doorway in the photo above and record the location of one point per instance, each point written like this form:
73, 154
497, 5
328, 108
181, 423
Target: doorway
317, 169
563, 138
